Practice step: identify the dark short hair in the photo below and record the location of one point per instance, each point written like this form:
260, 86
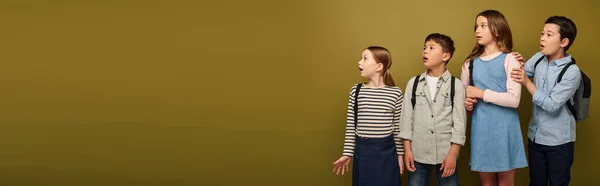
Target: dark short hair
567, 28
443, 40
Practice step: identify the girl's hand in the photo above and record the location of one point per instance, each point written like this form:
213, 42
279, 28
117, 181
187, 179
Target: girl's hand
474, 92
341, 165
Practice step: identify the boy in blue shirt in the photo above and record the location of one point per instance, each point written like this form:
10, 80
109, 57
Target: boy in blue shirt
552, 127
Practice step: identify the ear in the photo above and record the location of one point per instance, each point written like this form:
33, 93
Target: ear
564, 42
446, 57
379, 67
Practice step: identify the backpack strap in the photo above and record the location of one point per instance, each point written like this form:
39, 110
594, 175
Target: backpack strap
471, 72
452, 90
570, 106
562, 72
413, 98
356, 106
538, 62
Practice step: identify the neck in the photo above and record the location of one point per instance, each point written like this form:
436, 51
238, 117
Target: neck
436, 71
490, 49
376, 82
556, 56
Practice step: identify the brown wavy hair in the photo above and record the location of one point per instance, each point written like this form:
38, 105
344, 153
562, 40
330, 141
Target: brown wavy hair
500, 32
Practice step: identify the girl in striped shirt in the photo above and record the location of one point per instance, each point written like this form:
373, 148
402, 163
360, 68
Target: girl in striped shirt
372, 124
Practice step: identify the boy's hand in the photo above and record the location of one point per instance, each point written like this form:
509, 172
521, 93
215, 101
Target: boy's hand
518, 75
449, 166
519, 58
409, 161
470, 103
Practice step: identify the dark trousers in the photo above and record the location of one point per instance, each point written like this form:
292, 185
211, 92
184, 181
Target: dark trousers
421, 176
550, 164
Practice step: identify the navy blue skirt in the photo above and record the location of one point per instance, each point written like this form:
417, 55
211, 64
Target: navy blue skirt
375, 162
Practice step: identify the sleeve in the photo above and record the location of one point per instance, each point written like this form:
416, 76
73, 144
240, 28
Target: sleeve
459, 116
465, 75
530, 64
512, 96
406, 120
349, 141
552, 100
396, 128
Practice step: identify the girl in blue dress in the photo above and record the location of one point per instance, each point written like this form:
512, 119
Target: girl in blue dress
496, 141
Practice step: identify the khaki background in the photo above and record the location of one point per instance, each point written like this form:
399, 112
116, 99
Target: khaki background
226, 92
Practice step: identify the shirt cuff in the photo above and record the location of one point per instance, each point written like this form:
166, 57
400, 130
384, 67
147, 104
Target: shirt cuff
538, 97
488, 95
405, 135
456, 139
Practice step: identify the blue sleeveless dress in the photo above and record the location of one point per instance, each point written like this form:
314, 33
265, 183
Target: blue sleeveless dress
496, 139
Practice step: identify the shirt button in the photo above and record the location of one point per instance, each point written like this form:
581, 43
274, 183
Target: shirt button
432, 116
432, 132
434, 100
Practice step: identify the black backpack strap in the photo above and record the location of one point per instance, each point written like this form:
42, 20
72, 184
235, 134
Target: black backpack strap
471, 72
356, 105
562, 72
452, 90
413, 98
560, 75
538, 62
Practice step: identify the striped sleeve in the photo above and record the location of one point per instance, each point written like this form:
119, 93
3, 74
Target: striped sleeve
396, 124
349, 141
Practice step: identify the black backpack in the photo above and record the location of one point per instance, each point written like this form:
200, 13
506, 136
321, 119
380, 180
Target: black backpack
581, 106
413, 99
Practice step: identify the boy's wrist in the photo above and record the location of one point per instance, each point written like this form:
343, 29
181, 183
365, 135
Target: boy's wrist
527, 82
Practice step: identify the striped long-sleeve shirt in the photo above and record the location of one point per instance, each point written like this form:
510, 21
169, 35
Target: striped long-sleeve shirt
379, 111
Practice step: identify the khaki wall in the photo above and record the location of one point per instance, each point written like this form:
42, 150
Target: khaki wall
225, 92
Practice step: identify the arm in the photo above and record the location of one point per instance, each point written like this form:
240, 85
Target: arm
465, 76
406, 119
552, 100
459, 116
396, 129
454, 150
349, 141
512, 97
530, 65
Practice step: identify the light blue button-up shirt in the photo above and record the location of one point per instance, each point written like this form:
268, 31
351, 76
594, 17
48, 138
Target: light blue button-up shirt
552, 123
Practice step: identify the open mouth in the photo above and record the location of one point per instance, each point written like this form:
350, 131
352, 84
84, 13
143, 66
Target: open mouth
360, 69
479, 37
425, 58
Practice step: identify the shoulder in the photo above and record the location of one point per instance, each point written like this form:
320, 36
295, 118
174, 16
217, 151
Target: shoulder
510, 61
412, 80
353, 88
457, 84
574, 70
394, 89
